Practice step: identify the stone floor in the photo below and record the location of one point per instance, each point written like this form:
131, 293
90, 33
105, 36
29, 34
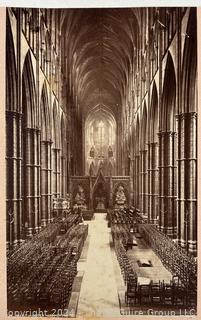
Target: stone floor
98, 296
157, 271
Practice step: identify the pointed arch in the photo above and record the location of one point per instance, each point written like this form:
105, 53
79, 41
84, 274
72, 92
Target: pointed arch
11, 71
46, 164
153, 157
100, 132
143, 128
100, 192
167, 153
154, 115
30, 150
189, 66
168, 97
45, 115
29, 93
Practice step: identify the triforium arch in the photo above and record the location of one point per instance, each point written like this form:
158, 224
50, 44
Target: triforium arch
46, 163
167, 152
187, 141
31, 150
153, 157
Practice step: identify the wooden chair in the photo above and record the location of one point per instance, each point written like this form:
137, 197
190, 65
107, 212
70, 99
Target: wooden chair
144, 293
167, 291
180, 296
131, 294
155, 292
191, 297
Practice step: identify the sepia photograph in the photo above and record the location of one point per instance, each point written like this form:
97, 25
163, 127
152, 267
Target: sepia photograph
101, 137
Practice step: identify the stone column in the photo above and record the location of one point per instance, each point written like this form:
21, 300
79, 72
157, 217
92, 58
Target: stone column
49, 173
56, 171
67, 175
187, 179
32, 180
152, 182
132, 181
14, 178
110, 193
143, 182
45, 182
54, 181
167, 183
136, 182
37, 193
63, 176
140, 182
90, 193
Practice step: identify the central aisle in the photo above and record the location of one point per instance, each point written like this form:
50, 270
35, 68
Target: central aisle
98, 295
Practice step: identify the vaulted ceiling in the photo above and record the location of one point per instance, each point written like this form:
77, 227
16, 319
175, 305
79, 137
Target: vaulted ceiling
100, 48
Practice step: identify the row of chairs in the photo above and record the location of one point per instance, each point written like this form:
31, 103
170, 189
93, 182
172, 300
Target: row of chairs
39, 241
120, 216
124, 262
137, 216
159, 293
174, 258
46, 274
121, 232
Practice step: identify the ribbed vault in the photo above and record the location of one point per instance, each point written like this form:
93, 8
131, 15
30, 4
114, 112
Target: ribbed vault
100, 47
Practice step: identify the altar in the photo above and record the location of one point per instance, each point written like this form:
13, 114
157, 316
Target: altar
100, 204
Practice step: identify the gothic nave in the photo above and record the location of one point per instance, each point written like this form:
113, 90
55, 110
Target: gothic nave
101, 160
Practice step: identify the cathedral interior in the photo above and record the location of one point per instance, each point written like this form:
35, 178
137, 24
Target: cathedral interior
101, 160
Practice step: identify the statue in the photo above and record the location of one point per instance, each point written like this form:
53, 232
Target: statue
80, 199
92, 152
120, 199
110, 152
